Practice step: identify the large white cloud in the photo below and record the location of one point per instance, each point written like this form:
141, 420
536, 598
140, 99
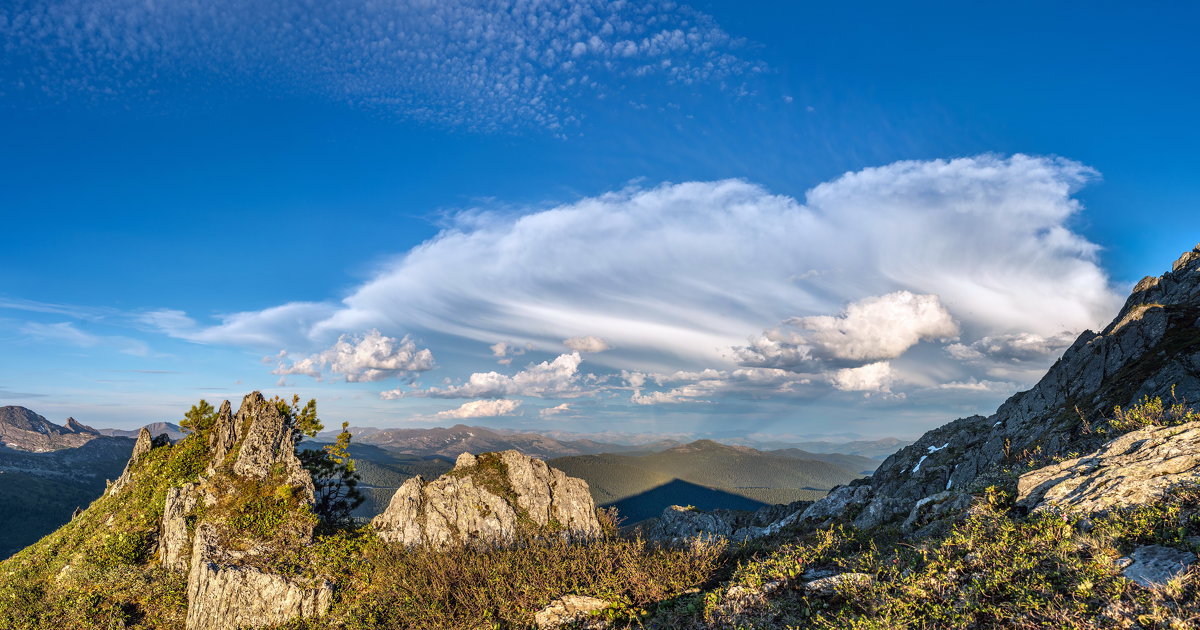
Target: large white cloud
675, 276
874, 328
369, 357
481, 409
873, 377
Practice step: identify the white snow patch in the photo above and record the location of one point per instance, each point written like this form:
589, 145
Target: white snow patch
919, 462
934, 449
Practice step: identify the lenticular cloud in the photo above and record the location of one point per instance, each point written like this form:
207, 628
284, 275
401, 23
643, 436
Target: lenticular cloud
682, 273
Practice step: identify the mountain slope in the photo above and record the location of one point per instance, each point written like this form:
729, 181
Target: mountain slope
1152, 348
22, 429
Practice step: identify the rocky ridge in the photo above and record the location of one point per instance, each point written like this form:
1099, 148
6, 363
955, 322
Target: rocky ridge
23, 430
1152, 348
488, 499
230, 584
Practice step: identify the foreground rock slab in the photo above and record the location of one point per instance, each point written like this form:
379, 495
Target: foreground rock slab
1135, 469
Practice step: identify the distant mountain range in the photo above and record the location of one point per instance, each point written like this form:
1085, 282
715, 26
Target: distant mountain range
23, 430
708, 475
172, 430
460, 438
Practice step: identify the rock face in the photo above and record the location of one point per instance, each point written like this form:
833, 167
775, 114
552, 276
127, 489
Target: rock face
485, 500
174, 543
1155, 565
236, 594
23, 430
681, 526
1135, 469
230, 585
1151, 346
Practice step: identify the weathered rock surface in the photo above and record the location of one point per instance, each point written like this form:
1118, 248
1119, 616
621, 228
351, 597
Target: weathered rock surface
239, 595
1151, 346
228, 586
1135, 469
485, 500
679, 525
573, 609
174, 544
1155, 565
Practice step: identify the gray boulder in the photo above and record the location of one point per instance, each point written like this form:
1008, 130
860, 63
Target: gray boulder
573, 610
1155, 565
486, 500
237, 594
680, 525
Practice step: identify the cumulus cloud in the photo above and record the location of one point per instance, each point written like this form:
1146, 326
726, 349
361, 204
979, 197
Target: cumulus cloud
871, 329
487, 65
559, 377
369, 357
588, 343
556, 410
481, 409
873, 377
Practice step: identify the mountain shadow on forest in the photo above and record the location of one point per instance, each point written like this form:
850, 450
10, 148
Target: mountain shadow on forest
650, 503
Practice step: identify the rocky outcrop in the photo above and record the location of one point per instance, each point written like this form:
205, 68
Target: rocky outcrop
230, 582
681, 526
174, 543
1137, 468
488, 499
236, 594
1152, 346
142, 446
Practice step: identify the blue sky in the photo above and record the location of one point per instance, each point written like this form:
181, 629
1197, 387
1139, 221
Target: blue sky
655, 218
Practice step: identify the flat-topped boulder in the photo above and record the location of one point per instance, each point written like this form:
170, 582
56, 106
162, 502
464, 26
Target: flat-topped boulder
489, 499
1137, 468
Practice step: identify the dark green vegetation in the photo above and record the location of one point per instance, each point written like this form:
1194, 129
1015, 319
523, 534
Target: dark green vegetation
705, 474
